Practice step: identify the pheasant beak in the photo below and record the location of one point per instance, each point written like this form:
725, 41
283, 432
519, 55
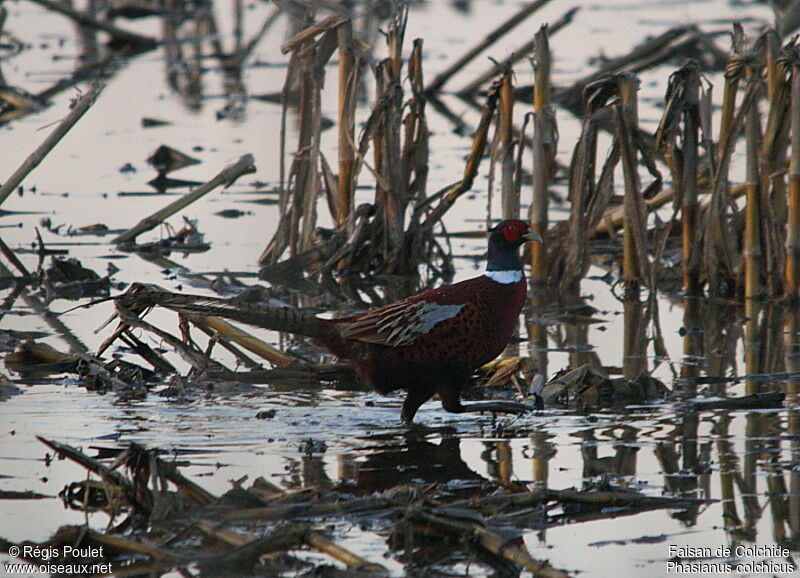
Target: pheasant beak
533, 236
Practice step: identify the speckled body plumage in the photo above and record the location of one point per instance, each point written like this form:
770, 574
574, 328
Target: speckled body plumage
450, 351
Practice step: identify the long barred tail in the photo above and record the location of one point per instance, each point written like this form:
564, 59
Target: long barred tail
141, 296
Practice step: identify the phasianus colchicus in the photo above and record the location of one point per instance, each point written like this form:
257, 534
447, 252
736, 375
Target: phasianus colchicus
427, 344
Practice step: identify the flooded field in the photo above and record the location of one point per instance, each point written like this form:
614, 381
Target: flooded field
659, 464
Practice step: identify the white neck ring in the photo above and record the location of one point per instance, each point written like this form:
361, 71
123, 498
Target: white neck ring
505, 277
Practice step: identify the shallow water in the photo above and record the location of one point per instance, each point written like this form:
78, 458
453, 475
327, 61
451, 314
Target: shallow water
753, 454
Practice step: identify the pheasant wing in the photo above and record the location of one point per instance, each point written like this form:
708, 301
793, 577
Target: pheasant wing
399, 324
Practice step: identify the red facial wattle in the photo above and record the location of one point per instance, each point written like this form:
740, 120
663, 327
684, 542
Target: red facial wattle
514, 230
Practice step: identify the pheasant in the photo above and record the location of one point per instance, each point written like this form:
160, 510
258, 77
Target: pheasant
427, 344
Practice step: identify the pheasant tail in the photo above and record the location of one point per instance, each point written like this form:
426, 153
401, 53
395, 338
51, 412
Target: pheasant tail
276, 318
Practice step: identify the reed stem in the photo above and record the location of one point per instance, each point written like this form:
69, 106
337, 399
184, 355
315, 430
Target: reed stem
689, 209
773, 151
752, 225
509, 193
627, 125
544, 148
733, 73
346, 125
793, 221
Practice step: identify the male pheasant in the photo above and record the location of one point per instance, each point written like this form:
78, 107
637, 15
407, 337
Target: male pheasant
427, 344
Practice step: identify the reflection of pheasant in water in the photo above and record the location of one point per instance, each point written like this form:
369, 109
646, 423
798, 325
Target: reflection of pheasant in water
427, 344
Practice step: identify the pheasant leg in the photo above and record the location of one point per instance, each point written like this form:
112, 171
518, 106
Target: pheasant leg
415, 398
451, 401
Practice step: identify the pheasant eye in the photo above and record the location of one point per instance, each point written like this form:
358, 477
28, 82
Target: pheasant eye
511, 232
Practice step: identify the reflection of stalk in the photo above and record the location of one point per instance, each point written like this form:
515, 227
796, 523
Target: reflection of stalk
76, 346
543, 152
542, 452
347, 467
691, 423
577, 340
633, 363
727, 474
752, 344
626, 451
793, 429
792, 353
762, 342
776, 484
720, 338
505, 465
692, 344
752, 452
537, 332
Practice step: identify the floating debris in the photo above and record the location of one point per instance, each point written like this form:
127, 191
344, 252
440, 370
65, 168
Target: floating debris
589, 387
154, 122
167, 159
68, 279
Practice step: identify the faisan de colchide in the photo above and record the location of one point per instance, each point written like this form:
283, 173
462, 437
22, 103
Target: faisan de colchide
428, 344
